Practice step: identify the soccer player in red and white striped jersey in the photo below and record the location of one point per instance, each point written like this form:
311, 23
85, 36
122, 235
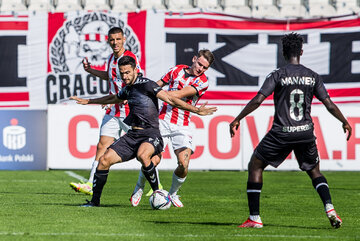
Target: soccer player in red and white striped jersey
112, 123
188, 83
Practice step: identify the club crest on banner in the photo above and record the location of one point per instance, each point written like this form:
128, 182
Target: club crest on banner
82, 36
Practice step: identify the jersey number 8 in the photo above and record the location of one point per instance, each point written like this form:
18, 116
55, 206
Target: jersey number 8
297, 104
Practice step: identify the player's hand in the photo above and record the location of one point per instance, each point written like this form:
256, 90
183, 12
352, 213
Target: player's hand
234, 126
86, 64
80, 100
203, 110
347, 128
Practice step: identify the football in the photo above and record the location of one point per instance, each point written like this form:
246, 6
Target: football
160, 200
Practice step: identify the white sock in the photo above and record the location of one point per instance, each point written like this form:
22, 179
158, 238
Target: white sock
255, 218
176, 184
158, 176
93, 170
141, 181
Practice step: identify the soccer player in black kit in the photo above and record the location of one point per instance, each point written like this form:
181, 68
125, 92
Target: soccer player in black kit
143, 140
293, 86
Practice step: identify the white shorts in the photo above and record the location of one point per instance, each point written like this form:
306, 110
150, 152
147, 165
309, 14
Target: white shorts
112, 126
178, 136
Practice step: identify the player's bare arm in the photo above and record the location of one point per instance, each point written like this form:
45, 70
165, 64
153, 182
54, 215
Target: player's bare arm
335, 111
87, 67
187, 91
108, 99
253, 104
202, 110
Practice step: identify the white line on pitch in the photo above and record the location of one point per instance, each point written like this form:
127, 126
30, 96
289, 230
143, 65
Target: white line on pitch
74, 175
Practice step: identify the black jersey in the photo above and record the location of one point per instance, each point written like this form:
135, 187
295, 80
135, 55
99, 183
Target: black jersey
143, 103
293, 86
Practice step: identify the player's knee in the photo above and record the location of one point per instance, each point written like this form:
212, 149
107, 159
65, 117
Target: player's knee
104, 162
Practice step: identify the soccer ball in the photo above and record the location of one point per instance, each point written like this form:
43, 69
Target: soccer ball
160, 200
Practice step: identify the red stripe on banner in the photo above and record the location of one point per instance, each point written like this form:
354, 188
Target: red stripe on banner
7, 106
227, 24
137, 21
18, 96
55, 21
13, 25
344, 92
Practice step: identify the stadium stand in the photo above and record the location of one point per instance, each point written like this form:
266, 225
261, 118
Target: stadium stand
40, 5
265, 11
321, 10
13, 5
246, 8
67, 5
151, 4
96, 4
293, 11
212, 5
344, 7
179, 5
124, 5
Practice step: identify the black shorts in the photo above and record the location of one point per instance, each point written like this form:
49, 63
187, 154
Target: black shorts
127, 145
273, 152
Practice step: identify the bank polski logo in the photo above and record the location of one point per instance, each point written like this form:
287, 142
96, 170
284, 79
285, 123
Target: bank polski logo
85, 35
14, 136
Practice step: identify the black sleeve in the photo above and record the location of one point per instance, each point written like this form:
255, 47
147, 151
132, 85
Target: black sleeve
153, 87
269, 84
122, 94
320, 91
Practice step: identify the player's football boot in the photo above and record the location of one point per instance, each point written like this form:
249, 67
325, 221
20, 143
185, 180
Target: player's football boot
334, 219
89, 204
251, 224
136, 196
151, 191
175, 200
82, 187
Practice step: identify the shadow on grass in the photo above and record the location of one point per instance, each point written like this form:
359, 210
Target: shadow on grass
294, 226
195, 223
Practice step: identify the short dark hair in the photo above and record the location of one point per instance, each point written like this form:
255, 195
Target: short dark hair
127, 60
207, 54
114, 30
292, 44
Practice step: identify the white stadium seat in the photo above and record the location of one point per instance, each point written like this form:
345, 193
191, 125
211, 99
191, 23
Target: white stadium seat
96, 5
179, 5
293, 11
207, 4
40, 5
124, 5
265, 11
289, 2
67, 5
239, 10
347, 7
151, 4
322, 10
262, 2
12, 5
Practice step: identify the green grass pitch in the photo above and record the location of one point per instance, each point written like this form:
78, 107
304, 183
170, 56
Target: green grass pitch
40, 205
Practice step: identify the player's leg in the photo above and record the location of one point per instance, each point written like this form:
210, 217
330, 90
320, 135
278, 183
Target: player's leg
308, 159
144, 154
109, 131
179, 175
254, 186
140, 184
100, 177
321, 186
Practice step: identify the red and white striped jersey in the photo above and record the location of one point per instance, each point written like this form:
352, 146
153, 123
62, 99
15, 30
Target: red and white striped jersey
115, 83
176, 79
